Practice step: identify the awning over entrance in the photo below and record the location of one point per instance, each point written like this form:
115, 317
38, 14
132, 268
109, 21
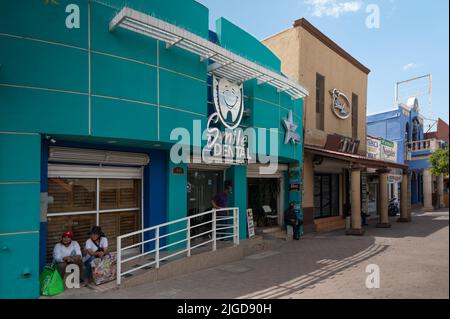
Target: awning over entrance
354, 158
225, 63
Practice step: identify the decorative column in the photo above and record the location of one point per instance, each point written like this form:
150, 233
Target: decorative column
427, 191
356, 227
383, 186
405, 199
308, 193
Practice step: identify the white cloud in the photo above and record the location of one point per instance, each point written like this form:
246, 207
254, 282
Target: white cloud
333, 8
409, 66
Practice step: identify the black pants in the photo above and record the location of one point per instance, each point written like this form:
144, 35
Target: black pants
295, 227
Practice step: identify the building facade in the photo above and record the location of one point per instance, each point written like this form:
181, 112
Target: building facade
405, 125
90, 96
335, 161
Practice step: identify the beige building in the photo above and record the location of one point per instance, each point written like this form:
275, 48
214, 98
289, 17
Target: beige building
335, 164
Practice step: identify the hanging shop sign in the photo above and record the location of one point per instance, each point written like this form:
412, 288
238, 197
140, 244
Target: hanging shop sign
291, 128
341, 105
229, 145
343, 144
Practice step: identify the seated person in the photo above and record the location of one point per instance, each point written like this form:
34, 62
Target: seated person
67, 252
96, 247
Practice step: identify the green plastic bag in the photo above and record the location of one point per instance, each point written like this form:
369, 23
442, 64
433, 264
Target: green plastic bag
51, 282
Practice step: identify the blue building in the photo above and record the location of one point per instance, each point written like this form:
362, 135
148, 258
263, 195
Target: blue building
404, 125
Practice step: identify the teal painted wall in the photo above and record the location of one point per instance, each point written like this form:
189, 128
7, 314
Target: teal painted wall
121, 86
138, 90
176, 203
19, 215
238, 198
240, 42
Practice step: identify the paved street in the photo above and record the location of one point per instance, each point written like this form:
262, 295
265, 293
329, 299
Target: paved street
413, 260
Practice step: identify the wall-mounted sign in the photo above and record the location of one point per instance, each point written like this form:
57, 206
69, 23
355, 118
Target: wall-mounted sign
250, 223
382, 149
341, 105
178, 171
373, 148
389, 150
231, 145
290, 127
228, 102
343, 144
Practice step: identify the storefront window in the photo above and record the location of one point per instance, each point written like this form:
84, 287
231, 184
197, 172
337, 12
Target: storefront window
72, 195
326, 195
119, 193
75, 208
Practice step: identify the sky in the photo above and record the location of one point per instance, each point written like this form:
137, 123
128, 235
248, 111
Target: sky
412, 39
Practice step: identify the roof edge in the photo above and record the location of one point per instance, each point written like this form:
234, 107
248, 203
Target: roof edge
305, 24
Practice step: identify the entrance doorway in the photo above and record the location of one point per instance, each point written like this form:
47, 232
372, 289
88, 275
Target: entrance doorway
203, 185
264, 200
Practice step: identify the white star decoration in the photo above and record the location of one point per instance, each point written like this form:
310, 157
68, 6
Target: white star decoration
291, 127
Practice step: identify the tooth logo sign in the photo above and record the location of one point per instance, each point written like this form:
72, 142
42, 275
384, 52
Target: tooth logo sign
228, 102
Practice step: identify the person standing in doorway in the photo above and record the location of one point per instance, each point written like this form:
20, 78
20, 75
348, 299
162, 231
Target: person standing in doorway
220, 202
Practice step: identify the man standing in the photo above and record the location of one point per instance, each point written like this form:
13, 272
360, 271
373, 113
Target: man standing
291, 219
220, 202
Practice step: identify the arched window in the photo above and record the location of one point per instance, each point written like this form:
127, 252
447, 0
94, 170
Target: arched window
407, 135
416, 130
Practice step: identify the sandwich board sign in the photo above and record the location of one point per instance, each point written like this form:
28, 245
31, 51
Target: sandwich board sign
250, 223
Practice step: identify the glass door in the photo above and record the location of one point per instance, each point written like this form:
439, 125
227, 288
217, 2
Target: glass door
202, 187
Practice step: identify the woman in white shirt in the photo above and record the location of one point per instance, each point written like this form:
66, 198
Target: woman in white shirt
96, 247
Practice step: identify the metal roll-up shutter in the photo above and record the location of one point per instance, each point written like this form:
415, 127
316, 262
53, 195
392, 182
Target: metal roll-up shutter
253, 171
91, 156
85, 171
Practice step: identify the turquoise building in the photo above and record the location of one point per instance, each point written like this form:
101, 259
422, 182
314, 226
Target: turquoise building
87, 108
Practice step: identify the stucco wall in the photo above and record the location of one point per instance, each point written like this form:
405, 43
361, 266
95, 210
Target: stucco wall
303, 55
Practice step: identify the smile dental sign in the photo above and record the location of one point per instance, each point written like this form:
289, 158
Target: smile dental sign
229, 107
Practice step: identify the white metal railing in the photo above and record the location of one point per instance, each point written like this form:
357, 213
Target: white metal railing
190, 233
426, 145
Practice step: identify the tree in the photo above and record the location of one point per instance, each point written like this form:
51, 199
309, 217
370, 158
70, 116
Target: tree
439, 162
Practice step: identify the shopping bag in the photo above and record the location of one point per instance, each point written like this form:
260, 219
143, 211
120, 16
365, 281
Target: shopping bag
104, 269
50, 281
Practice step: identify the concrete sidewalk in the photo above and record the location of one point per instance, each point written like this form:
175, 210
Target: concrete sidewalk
413, 260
